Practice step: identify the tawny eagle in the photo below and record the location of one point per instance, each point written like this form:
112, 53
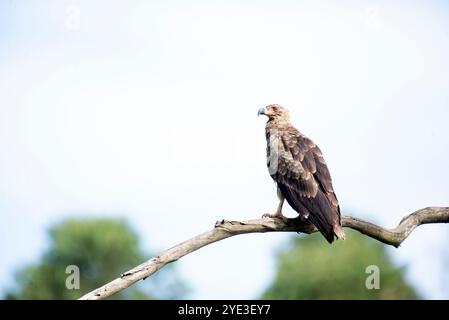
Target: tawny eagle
297, 166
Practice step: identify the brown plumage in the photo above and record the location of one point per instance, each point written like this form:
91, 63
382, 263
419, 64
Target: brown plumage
297, 165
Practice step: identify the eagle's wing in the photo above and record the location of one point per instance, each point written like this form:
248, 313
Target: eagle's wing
304, 180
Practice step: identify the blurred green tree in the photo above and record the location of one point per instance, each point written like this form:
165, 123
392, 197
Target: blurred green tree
102, 249
311, 269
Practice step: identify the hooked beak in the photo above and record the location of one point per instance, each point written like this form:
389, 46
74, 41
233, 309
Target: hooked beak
261, 111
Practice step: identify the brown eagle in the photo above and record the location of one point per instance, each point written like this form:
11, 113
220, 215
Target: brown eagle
297, 166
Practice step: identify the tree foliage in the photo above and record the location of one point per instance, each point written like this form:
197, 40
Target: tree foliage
102, 249
312, 269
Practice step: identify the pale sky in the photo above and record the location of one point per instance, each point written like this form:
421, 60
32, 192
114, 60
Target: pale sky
147, 110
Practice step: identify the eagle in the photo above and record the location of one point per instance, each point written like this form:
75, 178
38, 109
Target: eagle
297, 166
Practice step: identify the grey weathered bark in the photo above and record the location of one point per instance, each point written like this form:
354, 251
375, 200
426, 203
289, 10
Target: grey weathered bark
225, 229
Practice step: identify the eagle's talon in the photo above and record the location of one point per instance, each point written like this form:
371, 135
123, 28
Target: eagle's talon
279, 216
267, 216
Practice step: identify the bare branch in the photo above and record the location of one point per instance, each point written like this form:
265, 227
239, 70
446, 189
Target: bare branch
225, 229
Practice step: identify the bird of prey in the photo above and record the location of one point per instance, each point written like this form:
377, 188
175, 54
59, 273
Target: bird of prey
297, 166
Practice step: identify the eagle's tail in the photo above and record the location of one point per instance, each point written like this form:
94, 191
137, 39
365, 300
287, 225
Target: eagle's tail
339, 232
319, 212
338, 229
323, 226
328, 228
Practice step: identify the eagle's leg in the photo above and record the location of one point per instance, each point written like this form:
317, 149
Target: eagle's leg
279, 209
278, 214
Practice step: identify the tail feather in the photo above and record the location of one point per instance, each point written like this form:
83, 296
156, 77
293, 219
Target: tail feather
339, 232
323, 226
320, 212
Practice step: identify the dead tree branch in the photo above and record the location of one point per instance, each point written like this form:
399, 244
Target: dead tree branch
225, 229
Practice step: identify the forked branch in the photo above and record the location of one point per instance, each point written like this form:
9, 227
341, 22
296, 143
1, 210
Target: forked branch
225, 229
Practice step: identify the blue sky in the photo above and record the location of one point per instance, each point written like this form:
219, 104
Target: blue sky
147, 110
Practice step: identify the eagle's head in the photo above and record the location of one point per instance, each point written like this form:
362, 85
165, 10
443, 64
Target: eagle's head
274, 112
